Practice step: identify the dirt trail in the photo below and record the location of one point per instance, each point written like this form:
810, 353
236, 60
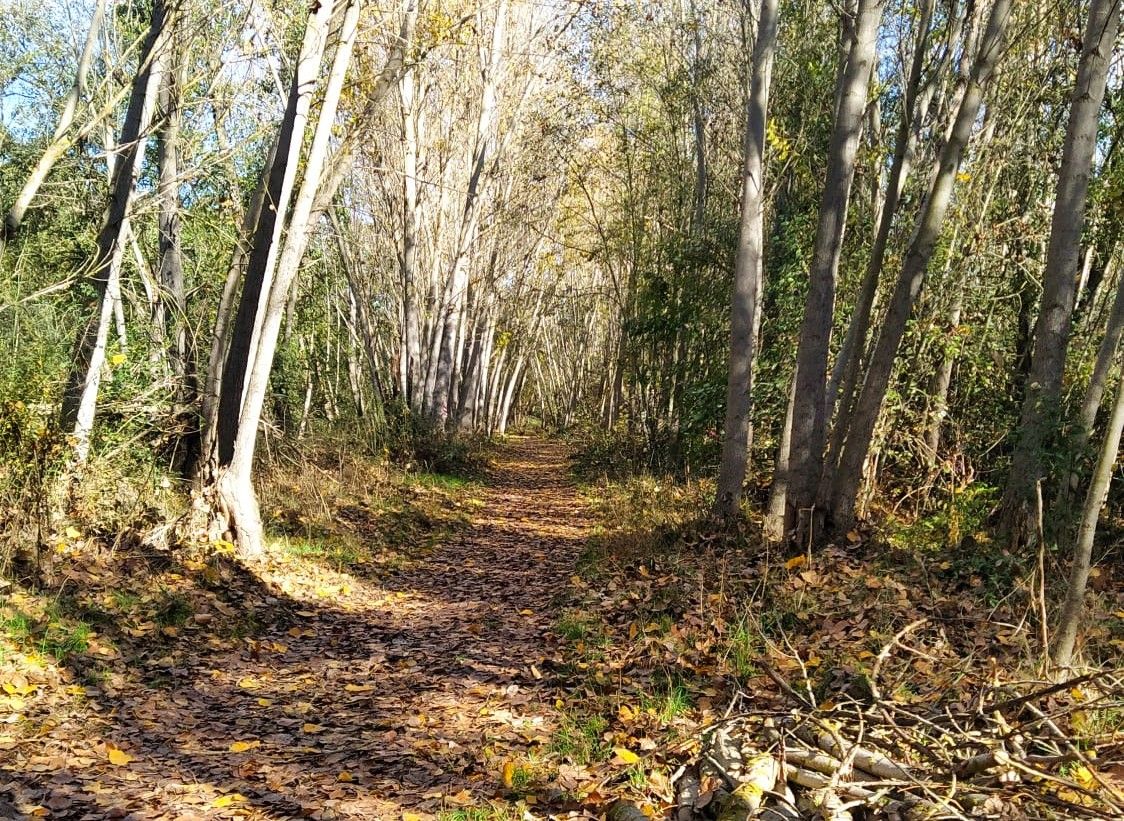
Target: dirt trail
402, 693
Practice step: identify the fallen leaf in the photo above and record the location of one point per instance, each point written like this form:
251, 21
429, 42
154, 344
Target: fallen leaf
626, 755
227, 800
795, 562
243, 746
117, 757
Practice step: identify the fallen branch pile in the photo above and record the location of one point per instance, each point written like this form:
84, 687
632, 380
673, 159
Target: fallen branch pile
1029, 751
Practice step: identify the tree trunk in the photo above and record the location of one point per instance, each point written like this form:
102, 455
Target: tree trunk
60, 142
809, 418
80, 398
1039, 423
848, 364
747, 271
1065, 637
848, 475
1106, 353
172, 302
262, 307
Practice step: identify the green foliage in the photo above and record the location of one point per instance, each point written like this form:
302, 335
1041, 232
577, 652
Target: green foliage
579, 738
54, 634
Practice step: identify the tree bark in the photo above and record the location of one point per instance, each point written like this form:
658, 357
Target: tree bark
1065, 637
848, 364
1039, 421
848, 475
80, 397
747, 271
235, 485
809, 418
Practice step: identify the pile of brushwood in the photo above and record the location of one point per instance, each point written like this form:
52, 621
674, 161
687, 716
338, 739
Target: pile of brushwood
1030, 751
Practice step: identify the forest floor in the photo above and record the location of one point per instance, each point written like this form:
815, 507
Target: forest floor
489, 650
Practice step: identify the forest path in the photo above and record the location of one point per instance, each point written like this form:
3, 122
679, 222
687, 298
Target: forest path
393, 695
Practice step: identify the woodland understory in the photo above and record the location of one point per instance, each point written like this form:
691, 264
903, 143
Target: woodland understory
576, 409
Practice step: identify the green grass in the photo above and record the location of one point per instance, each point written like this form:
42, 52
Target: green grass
340, 553
53, 635
492, 812
579, 740
576, 626
745, 646
444, 481
669, 701
173, 610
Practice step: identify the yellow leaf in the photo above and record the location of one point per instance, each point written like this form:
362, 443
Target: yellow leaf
411, 816
359, 688
626, 713
1084, 776
227, 800
508, 774
265, 702
795, 562
242, 746
73, 533
344, 776
626, 755
248, 683
311, 728
118, 757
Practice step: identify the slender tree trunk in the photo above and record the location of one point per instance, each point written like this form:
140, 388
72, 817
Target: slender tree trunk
449, 327
60, 142
411, 127
774, 529
81, 394
942, 381
747, 270
172, 301
1039, 422
848, 475
1106, 353
848, 364
1065, 637
809, 418
258, 321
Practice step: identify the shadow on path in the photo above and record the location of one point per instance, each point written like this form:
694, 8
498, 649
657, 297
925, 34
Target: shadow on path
401, 693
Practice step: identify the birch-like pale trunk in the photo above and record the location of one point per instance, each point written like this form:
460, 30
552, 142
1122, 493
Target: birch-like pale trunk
747, 271
235, 483
61, 141
809, 417
80, 398
1065, 636
868, 405
266, 244
1039, 421
457, 283
412, 127
847, 368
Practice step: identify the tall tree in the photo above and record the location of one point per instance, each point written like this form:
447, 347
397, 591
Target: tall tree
747, 269
809, 416
1040, 422
848, 475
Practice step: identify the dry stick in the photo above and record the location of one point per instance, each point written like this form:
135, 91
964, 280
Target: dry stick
885, 653
1071, 747
1043, 628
